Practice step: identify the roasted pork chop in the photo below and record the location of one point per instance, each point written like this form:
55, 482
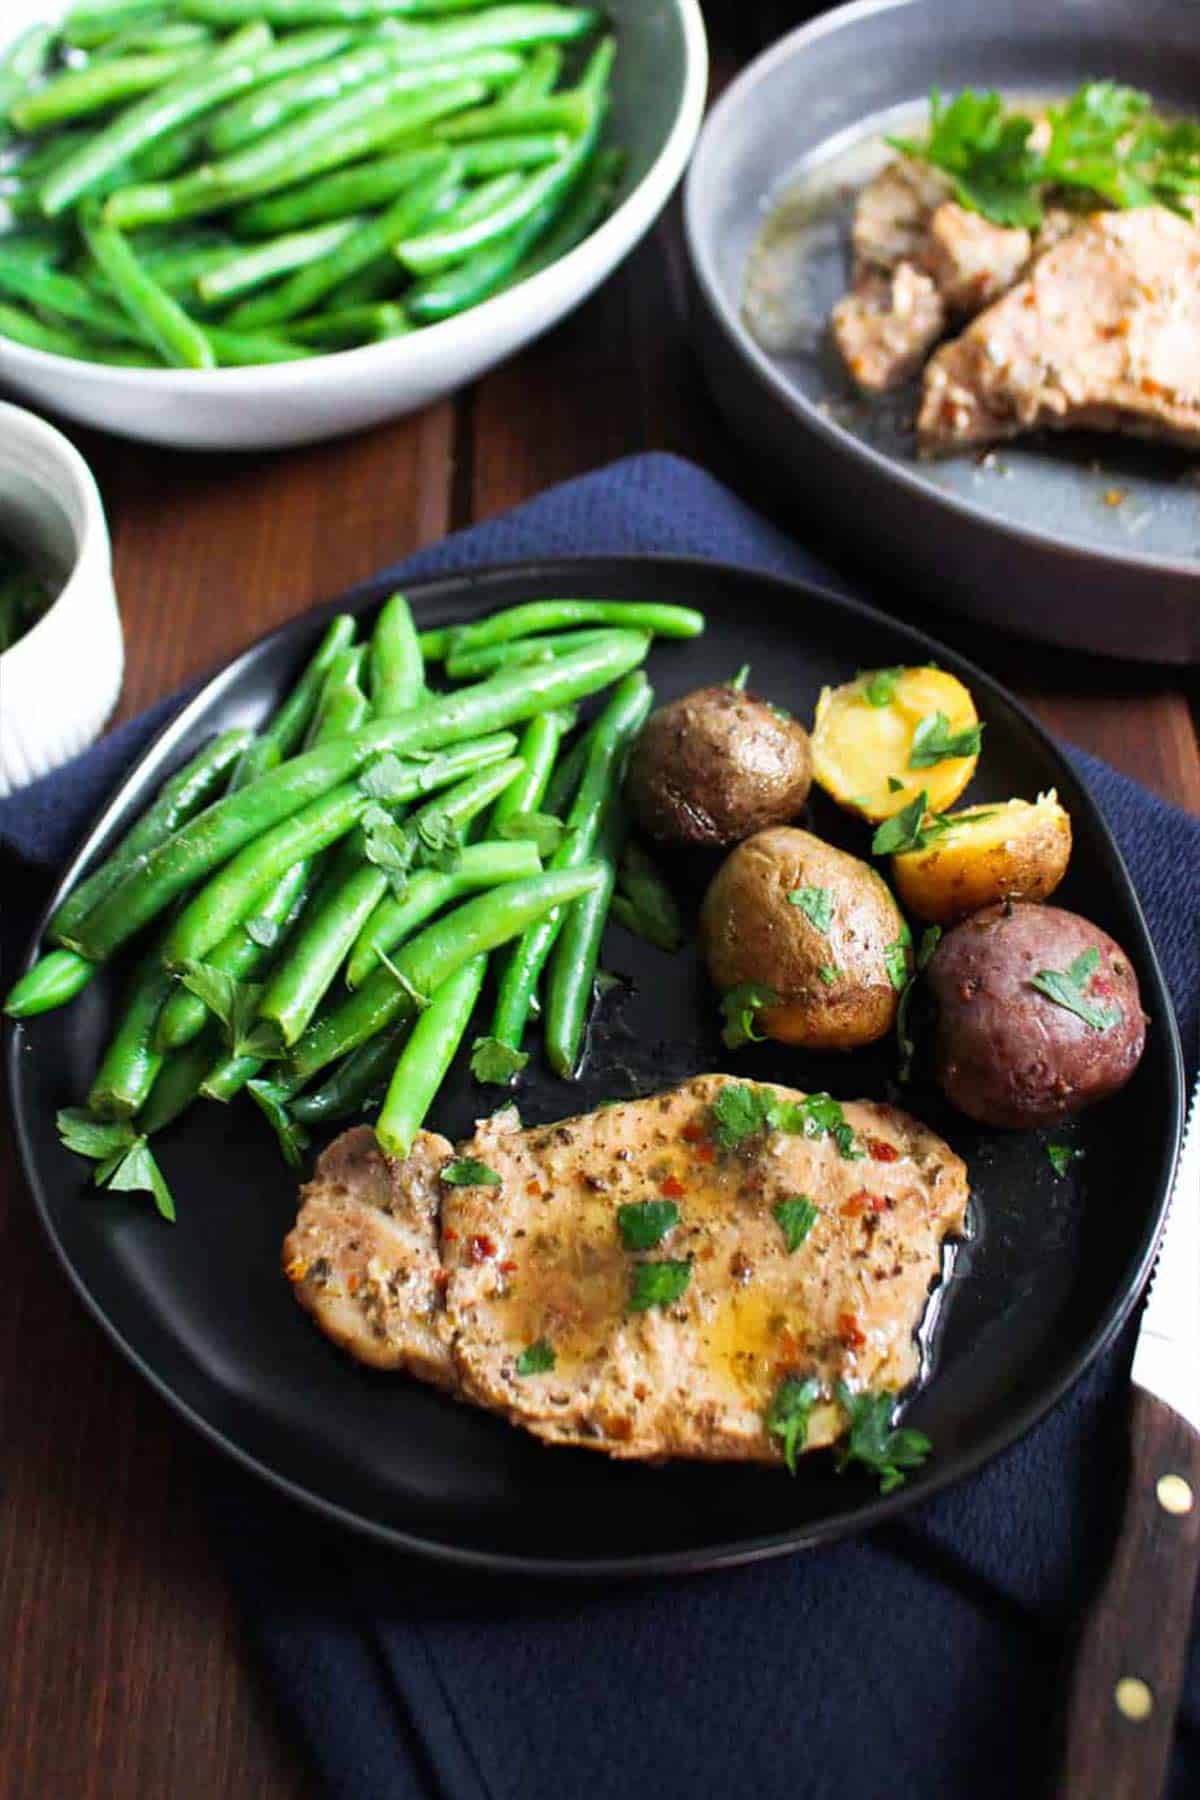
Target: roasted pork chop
536, 1253
1102, 334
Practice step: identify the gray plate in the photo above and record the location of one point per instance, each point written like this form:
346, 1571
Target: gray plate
1030, 541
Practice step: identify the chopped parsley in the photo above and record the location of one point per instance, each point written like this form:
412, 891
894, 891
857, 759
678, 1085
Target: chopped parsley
795, 1218
903, 830
738, 1008
1061, 1156
494, 1062
289, 1133
643, 902
439, 841
816, 903
543, 830
739, 1111
829, 973
934, 742
879, 685
658, 1284
1068, 989
536, 1359
930, 939
789, 1412
741, 678
466, 1171
235, 1003
895, 958
872, 1442
123, 1158
645, 1223
389, 847
894, 786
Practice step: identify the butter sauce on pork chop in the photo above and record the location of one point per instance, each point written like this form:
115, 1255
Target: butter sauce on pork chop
526, 1289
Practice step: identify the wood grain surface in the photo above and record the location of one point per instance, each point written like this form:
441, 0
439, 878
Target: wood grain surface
126, 1673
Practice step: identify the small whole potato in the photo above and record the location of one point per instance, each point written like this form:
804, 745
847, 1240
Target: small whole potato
813, 926
1038, 1015
1016, 850
891, 734
715, 766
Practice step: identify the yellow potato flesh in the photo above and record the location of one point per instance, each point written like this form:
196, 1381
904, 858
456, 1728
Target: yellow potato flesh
1016, 850
858, 747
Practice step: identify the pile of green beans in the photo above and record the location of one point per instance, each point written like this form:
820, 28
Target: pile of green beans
217, 183
313, 909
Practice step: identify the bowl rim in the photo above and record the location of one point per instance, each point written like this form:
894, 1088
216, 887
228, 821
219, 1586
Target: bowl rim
605, 247
76, 478
836, 437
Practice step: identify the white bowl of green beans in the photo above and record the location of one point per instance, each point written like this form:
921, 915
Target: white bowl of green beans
238, 224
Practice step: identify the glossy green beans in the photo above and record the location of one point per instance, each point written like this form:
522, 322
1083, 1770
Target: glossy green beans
479, 925
493, 156
247, 349
178, 1081
353, 325
53, 980
432, 1046
179, 799
534, 616
471, 665
56, 341
572, 969
288, 725
577, 21
131, 1062
254, 267
396, 668
456, 239
537, 750
345, 191
21, 65
55, 292
482, 865
589, 202
78, 92
160, 318
357, 1079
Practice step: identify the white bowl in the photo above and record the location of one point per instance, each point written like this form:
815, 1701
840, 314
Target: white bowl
60, 681
659, 86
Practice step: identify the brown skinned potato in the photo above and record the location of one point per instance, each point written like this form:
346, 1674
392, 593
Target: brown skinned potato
1007, 1053
1014, 850
715, 766
834, 985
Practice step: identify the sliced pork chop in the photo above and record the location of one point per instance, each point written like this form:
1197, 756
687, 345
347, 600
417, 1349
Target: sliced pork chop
885, 328
538, 1258
1102, 334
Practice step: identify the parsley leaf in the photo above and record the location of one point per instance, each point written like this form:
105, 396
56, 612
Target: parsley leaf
1067, 988
796, 1218
439, 841
895, 958
123, 1158
903, 830
871, 1440
262, 931
644, 1224
934, 742
536, 1359
291, 1135
543, 830
738, 1008
828, 973
494, 1062
986, 153
930, 939
644, 903
1061, 1156
136, 1172
789, 1413
94, 1138
894, 786
389, 847
879, 685
466, 1171
658, 1284
235, 1004
816, 904
738, 1112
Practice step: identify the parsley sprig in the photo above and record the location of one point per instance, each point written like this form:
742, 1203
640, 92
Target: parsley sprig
789, 1412
123, 1158
872, 1442
739, 1008
934, 742
1068, 989
740, 1112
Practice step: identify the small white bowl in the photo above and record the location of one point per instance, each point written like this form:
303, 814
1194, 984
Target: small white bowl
659, 86
60, 681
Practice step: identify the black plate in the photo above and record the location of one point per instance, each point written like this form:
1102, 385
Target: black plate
204, 1313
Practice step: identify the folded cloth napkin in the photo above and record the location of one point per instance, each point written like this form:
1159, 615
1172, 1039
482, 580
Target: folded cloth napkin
924, 1659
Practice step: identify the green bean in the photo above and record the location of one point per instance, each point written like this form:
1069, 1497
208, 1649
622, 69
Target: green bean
469, 665
178, 1081
352, 325
23, 329
380, 280
343, 704
131, 1062
21, 65
456, 237
176, 336
148, 37
178, 271
555, 615
229, 1075
621, 719
353, 1082
357, 249
250, 268
79, 92
445, 720
493, 156
234, 65
53, 980
64, 295
432, 1046
571, 112
483, 865
537, 750
490, 919
397, 668
289, 724
452, 291
577, 21
179, 799
344, 132
94, 27
167, 155
586, 206
572, 971
247, 349
352, 190
538, 78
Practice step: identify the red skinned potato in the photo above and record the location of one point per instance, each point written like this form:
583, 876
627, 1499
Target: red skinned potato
1039, 1015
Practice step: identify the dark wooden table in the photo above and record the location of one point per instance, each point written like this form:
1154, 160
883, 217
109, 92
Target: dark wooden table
125, 1669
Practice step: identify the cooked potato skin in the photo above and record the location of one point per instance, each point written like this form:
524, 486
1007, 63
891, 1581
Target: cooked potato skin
1017, 851
858, 748
1006, 1053
715, 766
751, 932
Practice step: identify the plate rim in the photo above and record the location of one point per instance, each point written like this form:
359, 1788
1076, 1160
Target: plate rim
723, 1554
835, 436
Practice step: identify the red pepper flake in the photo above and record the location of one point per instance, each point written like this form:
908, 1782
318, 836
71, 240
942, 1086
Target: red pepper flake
480, 1248
694, 1133
441, 1279
672, 1187
882, 1151
856, 1205
850, 1332
449, 1236
506, 1268
706, 1153
534, 1188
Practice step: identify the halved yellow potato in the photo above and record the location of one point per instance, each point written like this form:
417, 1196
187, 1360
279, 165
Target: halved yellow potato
864, 735
1016, 850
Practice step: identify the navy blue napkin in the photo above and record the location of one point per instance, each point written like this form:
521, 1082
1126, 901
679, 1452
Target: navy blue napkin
924, 1659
